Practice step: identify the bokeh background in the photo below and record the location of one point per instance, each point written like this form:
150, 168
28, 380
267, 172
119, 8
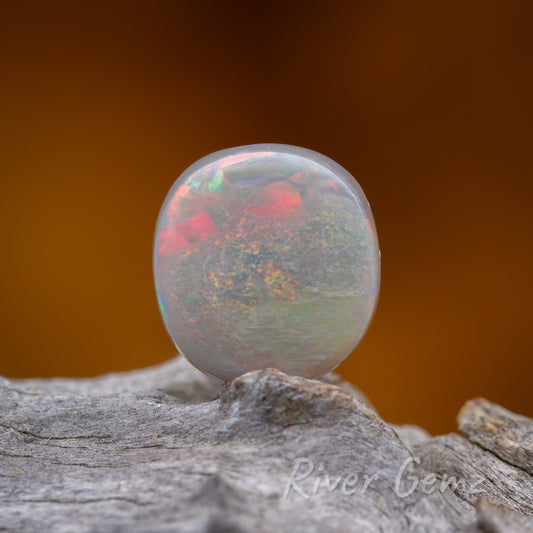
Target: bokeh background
428, 104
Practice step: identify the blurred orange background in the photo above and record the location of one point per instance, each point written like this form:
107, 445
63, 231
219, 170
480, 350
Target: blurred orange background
428, 104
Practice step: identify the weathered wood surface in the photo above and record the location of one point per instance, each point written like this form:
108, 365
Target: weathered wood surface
505, 434
177, 377
168, 449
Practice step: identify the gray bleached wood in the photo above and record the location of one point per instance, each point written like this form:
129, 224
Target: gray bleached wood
177, 377
169, 449
505, 434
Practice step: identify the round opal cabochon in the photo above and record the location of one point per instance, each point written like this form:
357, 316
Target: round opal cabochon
266, 256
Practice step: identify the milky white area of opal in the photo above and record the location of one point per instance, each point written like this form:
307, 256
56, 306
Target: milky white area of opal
266, 256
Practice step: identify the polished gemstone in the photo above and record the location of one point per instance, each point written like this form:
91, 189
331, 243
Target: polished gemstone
266, 256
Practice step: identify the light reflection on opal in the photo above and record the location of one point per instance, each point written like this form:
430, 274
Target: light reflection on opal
266, 256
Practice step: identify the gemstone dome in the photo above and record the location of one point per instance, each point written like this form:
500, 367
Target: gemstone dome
266, 256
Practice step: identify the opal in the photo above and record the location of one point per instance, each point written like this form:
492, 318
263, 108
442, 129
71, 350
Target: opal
266, 256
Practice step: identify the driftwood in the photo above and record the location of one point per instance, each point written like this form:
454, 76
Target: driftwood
168, 449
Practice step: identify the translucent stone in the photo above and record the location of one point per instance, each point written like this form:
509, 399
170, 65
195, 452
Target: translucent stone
266, 256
